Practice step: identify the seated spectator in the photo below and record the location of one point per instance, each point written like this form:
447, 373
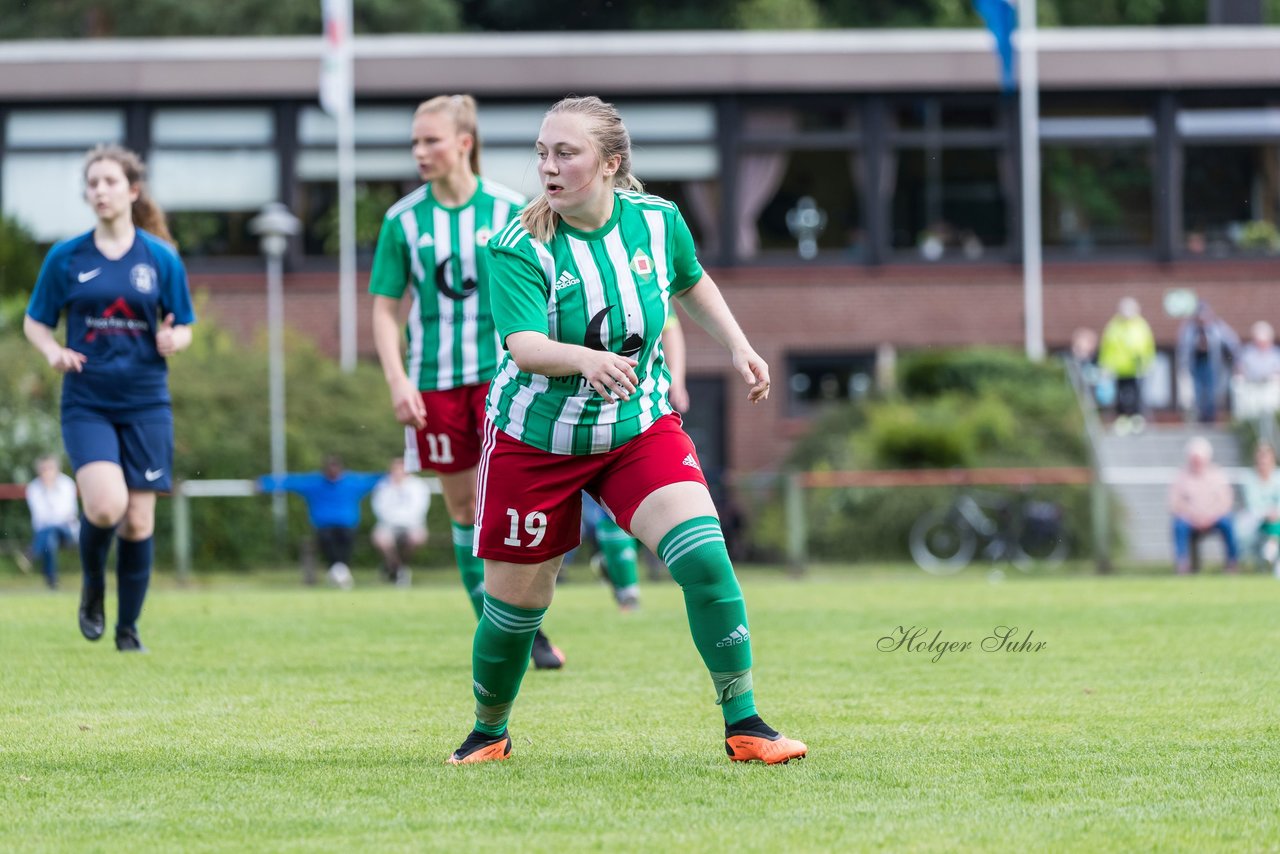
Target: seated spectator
1255, 388
333, 499
1201, 500
1260, 521
55, 515
400, 504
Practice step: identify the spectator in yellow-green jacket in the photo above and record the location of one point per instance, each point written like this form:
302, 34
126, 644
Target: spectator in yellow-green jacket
1126, 353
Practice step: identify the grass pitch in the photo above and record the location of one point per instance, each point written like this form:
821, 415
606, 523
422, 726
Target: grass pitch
274, 718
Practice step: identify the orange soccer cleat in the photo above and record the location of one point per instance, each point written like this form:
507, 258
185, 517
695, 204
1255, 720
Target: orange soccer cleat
481, 747
754, 739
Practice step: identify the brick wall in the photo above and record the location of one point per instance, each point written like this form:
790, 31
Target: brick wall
788, 310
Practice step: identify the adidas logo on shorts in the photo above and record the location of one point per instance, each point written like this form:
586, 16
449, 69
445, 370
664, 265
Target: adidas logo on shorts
691, 462
737, 636
567, 280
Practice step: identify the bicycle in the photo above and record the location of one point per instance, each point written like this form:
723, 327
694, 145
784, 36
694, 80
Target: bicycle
1019, 530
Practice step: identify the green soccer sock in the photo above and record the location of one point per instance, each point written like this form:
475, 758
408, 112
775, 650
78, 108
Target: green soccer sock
469, 566
619, 549
695, 553
499, 658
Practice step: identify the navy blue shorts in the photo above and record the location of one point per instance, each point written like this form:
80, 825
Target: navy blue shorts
141, 446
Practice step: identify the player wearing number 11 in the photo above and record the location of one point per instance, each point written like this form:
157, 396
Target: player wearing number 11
432, 245
581, 289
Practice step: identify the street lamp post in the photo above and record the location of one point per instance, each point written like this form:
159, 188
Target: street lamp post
274, 225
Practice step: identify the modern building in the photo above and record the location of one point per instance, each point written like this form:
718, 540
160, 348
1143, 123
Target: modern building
1160, 154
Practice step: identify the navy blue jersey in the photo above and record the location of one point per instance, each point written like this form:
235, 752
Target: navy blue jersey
113, 310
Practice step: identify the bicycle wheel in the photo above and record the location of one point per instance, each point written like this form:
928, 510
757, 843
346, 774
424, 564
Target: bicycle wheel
941, 543
1042, 542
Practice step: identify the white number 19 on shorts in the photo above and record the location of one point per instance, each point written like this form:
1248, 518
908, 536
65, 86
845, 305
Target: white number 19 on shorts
535, 525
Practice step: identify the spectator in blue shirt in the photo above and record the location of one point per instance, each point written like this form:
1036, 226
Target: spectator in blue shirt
333, 499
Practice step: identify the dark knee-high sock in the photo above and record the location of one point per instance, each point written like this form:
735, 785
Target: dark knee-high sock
695, 553
133, 574
95, 542
499, 658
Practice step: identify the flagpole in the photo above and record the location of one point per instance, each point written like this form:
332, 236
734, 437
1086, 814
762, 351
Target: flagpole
1029, 135
347, 200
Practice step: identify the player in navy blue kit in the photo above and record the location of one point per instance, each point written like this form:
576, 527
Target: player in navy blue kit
124, 293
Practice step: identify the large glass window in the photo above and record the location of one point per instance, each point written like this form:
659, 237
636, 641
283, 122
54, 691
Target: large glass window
1096, 167
821, 182
1095, 198
1230, 180
799, 183
818, 380
384, 172
949, 203
674, 153
212, 170
948, 183
42, 179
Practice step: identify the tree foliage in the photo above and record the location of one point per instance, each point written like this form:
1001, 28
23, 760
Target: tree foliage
61, 19
20, 258
222, 430
107, 18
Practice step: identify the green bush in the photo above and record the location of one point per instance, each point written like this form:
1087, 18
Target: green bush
20, 259
929, 373
957, 409
29, 394
220, 405
222, 430
909, 437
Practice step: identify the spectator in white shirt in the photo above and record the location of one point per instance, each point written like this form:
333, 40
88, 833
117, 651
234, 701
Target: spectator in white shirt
55, 515
400, 504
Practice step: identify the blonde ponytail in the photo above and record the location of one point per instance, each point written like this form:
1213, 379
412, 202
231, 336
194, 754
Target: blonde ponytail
462, 109
609, 136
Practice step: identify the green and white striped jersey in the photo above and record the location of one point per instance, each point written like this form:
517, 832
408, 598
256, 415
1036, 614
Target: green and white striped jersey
440, 250
608, 289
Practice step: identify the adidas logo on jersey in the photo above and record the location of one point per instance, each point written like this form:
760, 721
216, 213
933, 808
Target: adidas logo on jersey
691, 462
567, 280
740, 635
426, 240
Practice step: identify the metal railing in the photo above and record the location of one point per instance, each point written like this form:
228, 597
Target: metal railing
1099, 500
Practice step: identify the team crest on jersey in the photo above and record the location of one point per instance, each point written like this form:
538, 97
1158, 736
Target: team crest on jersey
482, 236
143, 278
641, 264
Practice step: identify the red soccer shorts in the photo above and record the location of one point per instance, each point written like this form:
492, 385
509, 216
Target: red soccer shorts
451, 440
529, 507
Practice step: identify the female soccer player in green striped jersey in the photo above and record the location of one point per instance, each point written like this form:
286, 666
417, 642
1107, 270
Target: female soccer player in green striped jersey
432, 245
581, 288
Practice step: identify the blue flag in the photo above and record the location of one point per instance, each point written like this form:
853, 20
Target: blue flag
1001, 17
